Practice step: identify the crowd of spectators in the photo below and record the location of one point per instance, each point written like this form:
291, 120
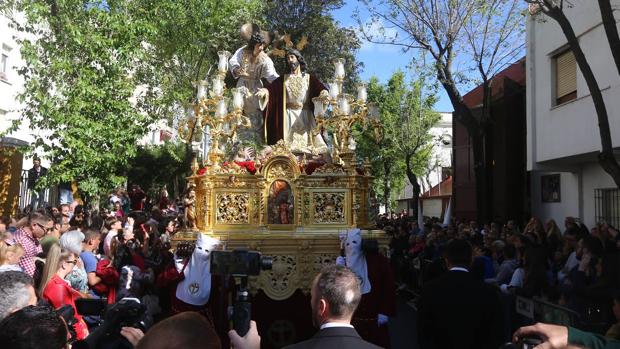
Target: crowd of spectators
573, 269
69, 257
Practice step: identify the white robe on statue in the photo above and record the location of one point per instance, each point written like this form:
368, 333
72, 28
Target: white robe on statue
299, 120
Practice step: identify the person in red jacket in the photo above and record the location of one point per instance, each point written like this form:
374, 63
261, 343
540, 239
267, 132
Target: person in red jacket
56, 290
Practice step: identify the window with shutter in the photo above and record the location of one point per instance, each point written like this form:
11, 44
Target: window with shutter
565, 77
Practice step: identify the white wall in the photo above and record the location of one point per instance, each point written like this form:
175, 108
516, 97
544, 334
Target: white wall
571, 128
569, 198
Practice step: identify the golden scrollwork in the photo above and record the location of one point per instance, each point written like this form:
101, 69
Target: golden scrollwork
330, 169
329, 207
232, 208
279, 170
281, 281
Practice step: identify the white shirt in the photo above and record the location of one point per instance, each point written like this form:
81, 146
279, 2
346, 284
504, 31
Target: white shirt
335, 324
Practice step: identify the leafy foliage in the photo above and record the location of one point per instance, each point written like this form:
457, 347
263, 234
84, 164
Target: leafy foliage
82, 76
406, 118
185, 40
156, 166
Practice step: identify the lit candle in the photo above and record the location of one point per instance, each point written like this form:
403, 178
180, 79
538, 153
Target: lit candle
237, 101
222, 65
218, 86
202, 89
339, 68
362, 95
318, 106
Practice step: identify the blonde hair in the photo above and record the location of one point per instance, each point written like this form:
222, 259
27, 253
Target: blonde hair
6, 249
55, 257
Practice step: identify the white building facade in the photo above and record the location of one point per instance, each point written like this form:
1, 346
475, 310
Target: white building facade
562, 127
439, 166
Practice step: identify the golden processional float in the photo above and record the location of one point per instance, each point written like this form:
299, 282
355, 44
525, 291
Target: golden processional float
281, 210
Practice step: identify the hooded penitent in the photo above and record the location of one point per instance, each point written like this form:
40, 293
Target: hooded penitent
196, 287
355, 258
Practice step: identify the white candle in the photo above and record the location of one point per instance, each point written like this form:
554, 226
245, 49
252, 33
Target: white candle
339, 68
362, 95
318, 106
221, 110
202, 89
344, 106
237, 99
334, 90
218, 86
222, 65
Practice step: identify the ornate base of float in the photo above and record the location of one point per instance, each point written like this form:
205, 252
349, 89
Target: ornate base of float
285, 213
297, 257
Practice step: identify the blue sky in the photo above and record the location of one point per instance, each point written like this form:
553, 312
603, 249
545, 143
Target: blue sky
381, 60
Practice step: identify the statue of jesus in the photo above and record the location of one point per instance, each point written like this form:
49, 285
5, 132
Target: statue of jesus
289, 112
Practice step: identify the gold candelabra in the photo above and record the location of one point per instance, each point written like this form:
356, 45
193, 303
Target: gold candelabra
211, 110
345, 113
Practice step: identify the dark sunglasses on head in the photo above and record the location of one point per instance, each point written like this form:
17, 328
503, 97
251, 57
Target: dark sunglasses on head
73, 261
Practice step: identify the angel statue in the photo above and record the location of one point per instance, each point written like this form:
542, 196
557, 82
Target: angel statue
250, 64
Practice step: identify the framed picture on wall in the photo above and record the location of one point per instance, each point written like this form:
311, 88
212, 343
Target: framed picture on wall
550, 188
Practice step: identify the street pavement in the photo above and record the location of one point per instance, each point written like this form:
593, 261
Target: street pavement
402, 327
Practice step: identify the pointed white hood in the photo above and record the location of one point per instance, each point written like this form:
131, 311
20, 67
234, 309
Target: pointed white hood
355, 258
195, 289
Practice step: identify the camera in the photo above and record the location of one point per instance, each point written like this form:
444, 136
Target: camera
242, 263
127, 312
239, 262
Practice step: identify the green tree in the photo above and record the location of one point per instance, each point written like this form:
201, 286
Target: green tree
83, 87
156, 166
413, 138
326, 39
461, 37
406, 146
184, 43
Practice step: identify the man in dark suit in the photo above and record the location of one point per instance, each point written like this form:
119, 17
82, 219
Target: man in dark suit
456, 310
37, 196
335, 295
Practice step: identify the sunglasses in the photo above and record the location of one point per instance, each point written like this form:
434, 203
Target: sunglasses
72, 262
45, 228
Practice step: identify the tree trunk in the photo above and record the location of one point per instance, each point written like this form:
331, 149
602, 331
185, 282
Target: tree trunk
413, 179
387, 190
609, 23
465, 116
606, 157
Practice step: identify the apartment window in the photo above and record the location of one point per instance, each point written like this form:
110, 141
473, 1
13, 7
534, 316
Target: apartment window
3, 65
565, 77
4, 62
607, 206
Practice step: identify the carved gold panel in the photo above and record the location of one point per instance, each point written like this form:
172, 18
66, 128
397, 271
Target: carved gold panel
329, 207
232, 208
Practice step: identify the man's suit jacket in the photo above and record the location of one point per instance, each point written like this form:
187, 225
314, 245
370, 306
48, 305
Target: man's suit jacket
334, 338
457, 311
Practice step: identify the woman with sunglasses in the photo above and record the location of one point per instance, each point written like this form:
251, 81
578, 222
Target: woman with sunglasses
56, 290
